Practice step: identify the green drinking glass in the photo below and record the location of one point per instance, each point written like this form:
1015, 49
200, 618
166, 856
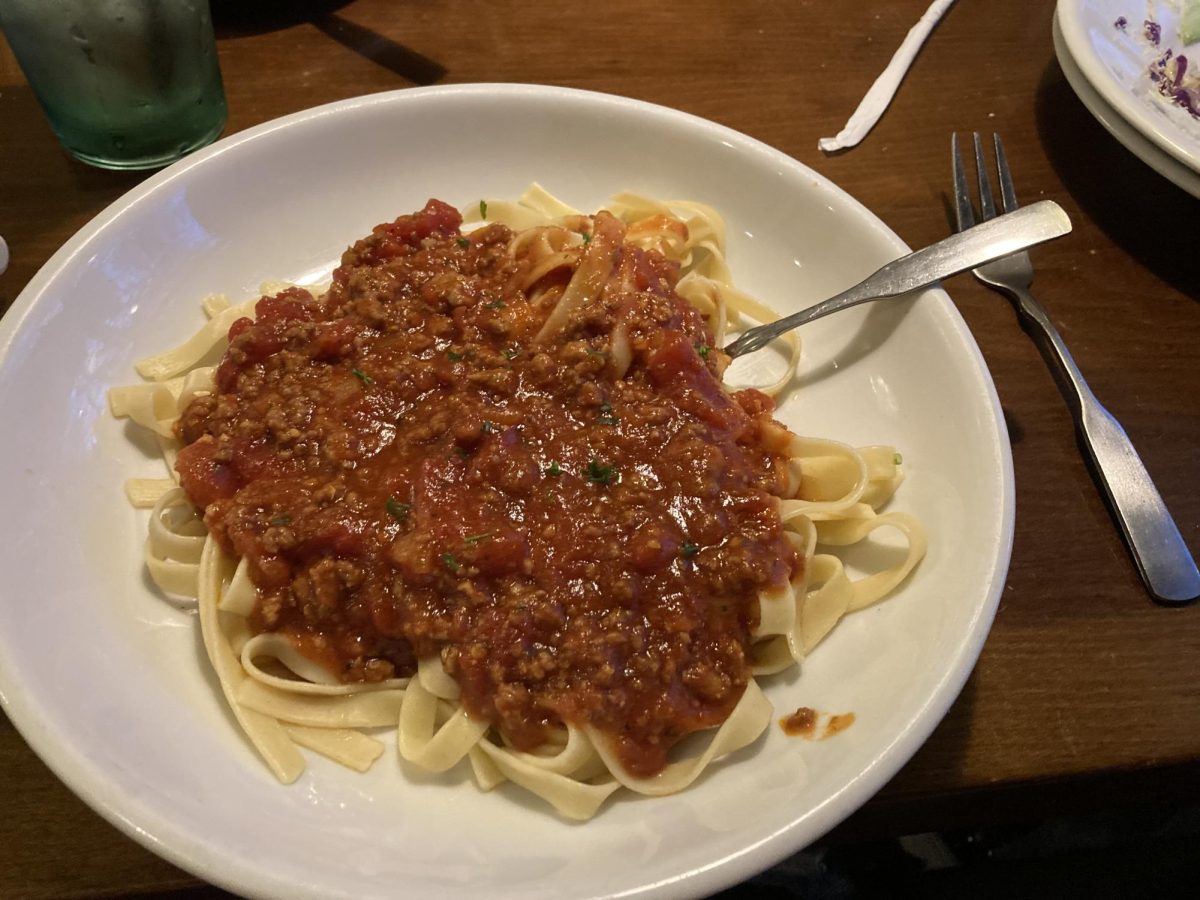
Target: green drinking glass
126, 84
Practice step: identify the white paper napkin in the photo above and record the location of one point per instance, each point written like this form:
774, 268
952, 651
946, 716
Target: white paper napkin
885, 86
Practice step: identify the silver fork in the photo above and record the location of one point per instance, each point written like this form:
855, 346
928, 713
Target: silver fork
1161, 556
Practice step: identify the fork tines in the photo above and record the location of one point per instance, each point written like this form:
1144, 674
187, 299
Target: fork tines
962, 194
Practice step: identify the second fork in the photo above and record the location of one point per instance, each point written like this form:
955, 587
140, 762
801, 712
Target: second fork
1158, 549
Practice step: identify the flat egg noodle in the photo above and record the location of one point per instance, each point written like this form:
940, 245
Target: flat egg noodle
778, 627
265, 732
314, 679
379, 708
214, 304
591, 275
435, 679
699, 247
431, 741
865, 479
749, 719
352, 749
573, 799
211, 336
144, 493
225, 636
174, 544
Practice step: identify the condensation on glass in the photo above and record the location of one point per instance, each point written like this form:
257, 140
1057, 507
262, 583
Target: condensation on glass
126, 84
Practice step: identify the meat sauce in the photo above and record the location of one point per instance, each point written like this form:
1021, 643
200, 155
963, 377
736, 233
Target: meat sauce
409, 472
803, 723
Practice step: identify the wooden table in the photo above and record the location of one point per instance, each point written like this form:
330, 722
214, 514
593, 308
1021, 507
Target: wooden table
1086, 693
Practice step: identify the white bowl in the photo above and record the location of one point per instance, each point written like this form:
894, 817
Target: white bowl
107, 682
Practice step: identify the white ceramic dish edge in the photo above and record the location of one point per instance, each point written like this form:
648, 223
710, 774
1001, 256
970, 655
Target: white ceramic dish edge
144, 824
1169, 129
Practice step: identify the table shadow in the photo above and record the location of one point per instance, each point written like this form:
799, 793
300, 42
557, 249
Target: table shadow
383, 51
235, 18
1136, 208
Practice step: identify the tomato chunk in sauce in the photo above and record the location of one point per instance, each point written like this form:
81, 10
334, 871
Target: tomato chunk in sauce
410, 472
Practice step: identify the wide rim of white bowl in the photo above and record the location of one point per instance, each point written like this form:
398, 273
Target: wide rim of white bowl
152, 826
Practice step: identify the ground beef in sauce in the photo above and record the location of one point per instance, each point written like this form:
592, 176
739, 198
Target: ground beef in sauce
409, 473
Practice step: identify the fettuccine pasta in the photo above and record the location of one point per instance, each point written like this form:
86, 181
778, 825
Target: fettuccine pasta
487, 491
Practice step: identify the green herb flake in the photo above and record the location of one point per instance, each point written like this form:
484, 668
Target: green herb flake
476, 538
587, 238
483, 209
282, 519
397, 510
461, 452
703, 350
496, 304
688, 549
606, 416
599, 354
464, 243
554, 470
897, 459
451, 562
452, 356
487, 427
512, 353
601, 473
362, 376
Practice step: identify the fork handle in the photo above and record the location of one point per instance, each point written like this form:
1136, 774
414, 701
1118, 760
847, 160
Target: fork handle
1158, 549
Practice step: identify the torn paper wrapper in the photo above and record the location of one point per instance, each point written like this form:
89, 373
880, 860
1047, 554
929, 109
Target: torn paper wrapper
885, 86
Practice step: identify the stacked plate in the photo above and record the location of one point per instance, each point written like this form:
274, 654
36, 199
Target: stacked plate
1106, 54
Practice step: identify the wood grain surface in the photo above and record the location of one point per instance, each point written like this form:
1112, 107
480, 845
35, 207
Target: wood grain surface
1086, 692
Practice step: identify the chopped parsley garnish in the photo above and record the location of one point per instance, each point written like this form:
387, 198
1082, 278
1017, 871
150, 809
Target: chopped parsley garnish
397, 510
703, 349
496, 304
897, 459
464, 243
606, 416
512, 353
452, 356
487, 427
554, 469
599, 354
461, 452
688, 549
476, 538
283, 519
601, 473
451, 562
362, 376
483, 209
587, 238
